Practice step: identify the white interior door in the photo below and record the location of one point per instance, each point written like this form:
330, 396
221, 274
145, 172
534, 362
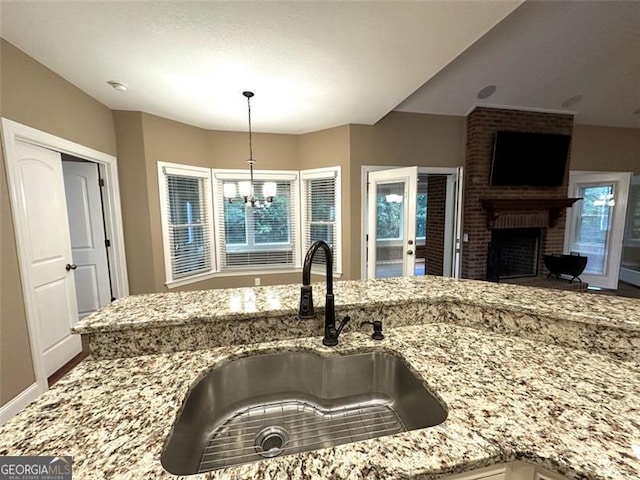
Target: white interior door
596, 224
46, 243
391, 240
86, 226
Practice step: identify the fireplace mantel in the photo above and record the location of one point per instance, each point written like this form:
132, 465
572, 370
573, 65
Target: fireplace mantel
554, 205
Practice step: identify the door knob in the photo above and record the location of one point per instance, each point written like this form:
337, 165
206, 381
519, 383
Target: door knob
410, 242
70, 266
409, 252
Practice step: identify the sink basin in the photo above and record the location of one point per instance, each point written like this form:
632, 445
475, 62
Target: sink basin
277, 404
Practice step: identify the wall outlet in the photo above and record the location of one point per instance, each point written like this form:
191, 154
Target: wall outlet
465, 237
257, 281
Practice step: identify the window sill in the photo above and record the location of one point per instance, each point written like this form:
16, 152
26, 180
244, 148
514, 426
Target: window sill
230, 273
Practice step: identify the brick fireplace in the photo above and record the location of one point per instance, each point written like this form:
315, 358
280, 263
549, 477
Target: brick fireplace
488, 208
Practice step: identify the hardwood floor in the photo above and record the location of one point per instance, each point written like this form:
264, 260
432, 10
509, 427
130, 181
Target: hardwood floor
72, 363
624, 290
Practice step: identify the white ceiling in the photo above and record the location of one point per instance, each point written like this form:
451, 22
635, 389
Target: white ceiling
312, 65
315, 65
543, 54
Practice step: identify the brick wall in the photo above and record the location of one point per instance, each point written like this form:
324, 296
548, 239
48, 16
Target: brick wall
436, 197
482, 124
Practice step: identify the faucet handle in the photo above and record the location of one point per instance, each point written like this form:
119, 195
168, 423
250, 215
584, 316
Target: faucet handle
377, 328
344, 321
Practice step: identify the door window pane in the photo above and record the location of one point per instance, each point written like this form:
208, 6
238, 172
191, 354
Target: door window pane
389, 230
593, 226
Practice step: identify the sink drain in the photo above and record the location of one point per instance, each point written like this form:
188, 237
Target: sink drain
271, 441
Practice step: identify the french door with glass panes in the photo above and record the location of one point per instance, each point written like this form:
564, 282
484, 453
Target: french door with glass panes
391, 222
412, 220
595, 224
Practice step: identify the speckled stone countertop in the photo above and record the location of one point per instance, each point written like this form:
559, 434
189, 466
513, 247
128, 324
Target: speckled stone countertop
159, 323
508, 399
177, 308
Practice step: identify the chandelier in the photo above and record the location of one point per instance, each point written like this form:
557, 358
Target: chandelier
246, 190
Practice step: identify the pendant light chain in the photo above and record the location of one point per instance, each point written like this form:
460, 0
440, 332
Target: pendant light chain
250, 138
250, 161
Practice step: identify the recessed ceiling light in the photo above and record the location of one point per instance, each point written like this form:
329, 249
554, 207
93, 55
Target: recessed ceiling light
636, 111
121, 87
487, 91
571, 101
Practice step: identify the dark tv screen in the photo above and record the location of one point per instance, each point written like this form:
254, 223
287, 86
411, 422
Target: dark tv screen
529, 159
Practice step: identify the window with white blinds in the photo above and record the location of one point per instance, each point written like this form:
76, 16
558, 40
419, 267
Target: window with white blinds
261, 237
321, 214
206, 235
185, 205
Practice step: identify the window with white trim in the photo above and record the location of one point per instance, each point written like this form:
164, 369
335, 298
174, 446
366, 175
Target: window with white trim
321, 214
261, 237
187, 221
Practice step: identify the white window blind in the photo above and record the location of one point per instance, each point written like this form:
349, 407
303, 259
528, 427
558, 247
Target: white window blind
185, 194
321, 214
264, 237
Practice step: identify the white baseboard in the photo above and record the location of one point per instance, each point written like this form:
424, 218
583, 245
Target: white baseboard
17, 403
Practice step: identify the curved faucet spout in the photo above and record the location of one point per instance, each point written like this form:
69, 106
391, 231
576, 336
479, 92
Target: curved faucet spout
328, 260
306, 294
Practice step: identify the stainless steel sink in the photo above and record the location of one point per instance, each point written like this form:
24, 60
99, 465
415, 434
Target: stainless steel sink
277, 404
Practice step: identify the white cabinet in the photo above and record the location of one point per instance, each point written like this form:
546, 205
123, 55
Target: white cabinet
509, 471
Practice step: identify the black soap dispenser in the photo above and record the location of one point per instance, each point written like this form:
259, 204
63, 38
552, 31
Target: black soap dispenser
377, 329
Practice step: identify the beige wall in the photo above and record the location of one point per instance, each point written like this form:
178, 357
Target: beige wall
145, 139
134, 198
329, 148
605, 148
399, 139
35, 96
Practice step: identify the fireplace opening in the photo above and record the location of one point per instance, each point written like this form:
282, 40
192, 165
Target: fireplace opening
513, 253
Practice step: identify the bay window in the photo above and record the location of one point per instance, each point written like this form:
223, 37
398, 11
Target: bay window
207, 235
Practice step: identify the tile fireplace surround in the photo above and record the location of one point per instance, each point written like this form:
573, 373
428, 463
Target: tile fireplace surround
491, 207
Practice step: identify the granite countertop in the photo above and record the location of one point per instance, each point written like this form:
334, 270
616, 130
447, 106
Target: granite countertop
179, 308
177, 321
508, 399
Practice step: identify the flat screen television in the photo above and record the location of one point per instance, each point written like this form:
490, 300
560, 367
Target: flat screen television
529, 159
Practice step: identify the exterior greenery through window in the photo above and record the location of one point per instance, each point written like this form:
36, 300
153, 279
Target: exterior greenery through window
390, 218
258, 236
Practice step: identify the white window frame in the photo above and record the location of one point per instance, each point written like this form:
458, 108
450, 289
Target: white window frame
317, 174
167, 169
292, 176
